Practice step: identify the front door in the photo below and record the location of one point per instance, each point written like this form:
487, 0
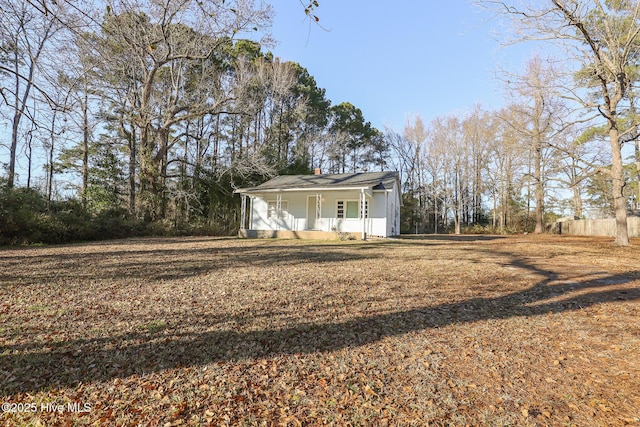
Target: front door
311, 212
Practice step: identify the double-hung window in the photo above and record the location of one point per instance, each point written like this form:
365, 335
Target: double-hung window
272, 209
350, 209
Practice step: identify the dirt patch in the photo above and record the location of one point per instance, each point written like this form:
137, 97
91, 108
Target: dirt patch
528, 330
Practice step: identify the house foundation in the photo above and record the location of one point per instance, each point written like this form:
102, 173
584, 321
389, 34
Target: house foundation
304, 234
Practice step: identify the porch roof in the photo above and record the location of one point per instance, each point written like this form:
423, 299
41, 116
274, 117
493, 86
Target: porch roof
345, 181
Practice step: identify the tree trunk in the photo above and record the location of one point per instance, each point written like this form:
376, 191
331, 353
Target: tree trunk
52, 137
161, 162
147, 176
577, 201
539, 190
14, 148
435, 215
619, 200
85, 147
495, 210
132, 171
637, 153
30, 155
458, 198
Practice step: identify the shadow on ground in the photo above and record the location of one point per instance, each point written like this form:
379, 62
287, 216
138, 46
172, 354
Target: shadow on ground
162, 259
451, 237
36, 366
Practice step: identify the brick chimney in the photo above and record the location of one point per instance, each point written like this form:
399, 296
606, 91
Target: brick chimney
317, 171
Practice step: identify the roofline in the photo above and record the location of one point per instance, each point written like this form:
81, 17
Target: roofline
278, 190
257, 190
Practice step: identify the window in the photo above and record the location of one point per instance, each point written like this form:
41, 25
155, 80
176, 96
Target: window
340, 210
350, 209
272, 209
366, 209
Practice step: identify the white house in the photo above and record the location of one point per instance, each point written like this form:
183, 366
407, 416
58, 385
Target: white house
364, 204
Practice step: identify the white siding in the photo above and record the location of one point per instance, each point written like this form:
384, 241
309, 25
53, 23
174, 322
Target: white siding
378, 215
259, 215
380, 222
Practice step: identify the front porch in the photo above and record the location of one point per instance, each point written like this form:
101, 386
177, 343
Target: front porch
304, 214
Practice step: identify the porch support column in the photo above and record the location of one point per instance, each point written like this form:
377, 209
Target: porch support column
318, 209
250, 212
278, 210
362, 214
243, 211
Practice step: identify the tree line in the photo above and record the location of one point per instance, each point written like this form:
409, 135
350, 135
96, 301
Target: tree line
157, 111
129, 117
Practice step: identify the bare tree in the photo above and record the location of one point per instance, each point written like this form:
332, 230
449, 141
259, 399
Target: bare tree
504, 171
448, 144
476, 128
415, 136
538, 119
433, 173
24, 35
602, 38
582, 155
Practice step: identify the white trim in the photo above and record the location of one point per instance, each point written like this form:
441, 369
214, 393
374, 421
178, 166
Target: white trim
363, 209
313, 189
318, 207
243, 211
251, 201
388, 224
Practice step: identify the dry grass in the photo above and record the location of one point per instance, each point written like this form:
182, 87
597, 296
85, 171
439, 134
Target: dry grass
528, 330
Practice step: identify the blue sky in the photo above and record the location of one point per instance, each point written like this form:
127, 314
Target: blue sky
393, 60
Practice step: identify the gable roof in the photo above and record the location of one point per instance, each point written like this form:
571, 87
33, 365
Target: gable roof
368, 180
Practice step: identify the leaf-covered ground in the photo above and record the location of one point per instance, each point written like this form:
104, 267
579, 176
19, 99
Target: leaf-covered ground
527, 330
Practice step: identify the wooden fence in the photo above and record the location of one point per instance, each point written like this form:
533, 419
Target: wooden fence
595, 227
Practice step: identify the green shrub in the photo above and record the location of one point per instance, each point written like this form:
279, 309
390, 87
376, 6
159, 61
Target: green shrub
21, 212
26, 217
